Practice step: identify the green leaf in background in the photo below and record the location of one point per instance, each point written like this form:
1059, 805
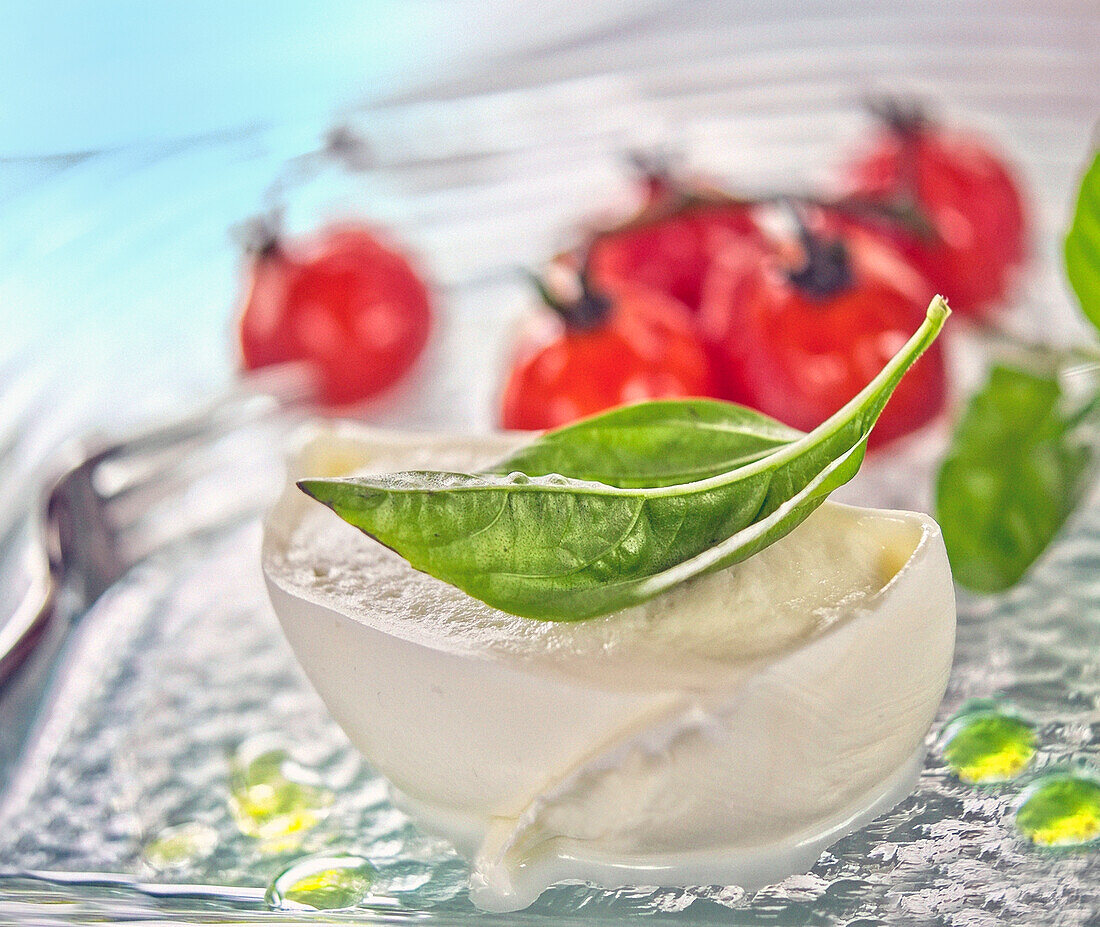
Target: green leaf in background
1083, 244
659, 443
1016, 468
558, 548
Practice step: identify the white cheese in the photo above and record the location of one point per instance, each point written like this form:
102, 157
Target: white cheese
727, 731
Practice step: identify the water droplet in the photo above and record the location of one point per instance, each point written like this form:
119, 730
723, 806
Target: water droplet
988, 743
274, 798
174, 847
323, 884
418, 882
1061, 809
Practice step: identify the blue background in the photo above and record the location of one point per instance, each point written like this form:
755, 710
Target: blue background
80, 75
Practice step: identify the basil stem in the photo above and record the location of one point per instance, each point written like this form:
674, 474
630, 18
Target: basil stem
559, 548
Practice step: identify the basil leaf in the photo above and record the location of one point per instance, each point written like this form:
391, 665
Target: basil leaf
659, 443
558, 548
1083, 245
1017, 466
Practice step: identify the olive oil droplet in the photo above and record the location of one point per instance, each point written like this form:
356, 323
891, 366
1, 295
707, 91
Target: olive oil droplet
274, 799
986, 744
1061, 809
323, 884
175, 847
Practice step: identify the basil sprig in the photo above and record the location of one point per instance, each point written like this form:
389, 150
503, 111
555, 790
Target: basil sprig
1014, 473
560, 548
1022, 453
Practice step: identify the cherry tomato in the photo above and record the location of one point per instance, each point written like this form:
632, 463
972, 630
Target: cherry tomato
947, 202
625, 344
344, 301
670, 243
797, 344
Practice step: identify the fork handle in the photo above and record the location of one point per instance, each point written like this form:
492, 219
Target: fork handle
22, 631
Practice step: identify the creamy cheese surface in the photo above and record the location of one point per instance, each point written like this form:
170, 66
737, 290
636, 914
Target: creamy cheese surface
725, 731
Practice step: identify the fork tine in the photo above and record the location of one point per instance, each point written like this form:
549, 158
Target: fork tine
285, 385
263, 394
215, 491
200, 523
169, 476
130, 466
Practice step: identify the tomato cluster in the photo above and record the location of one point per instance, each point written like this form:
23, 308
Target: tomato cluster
689, 296
792, 324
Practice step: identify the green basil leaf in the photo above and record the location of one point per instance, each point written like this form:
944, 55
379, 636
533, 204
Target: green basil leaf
558, 548
659, 443
1083, 245
1016, 468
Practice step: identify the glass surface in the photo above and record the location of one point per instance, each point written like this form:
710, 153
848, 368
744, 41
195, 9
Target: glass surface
127, 799
179, 678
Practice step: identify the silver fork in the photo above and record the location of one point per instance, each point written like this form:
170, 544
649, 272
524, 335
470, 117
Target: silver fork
94, 519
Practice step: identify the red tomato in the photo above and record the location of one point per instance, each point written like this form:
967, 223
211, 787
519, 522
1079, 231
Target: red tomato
639, 344
978, 231
343, 301
670, 243
798, 348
